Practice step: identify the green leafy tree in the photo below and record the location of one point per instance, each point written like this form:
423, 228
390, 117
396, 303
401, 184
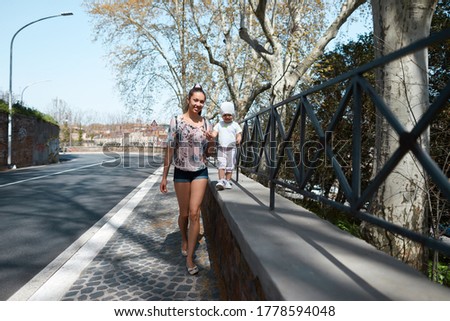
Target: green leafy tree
438, 205
344, 58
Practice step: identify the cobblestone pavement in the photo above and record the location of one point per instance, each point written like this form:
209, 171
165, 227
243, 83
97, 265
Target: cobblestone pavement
142, 261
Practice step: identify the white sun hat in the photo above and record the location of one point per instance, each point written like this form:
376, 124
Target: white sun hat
227, 108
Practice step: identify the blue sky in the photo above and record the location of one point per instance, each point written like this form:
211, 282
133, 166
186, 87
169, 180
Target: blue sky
56, 58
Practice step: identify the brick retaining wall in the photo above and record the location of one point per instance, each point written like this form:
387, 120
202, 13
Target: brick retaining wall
34, 142
235, 278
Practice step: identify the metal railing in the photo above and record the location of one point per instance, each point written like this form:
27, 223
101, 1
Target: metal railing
268, 150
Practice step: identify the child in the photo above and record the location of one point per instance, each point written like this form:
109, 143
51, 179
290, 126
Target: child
230, 134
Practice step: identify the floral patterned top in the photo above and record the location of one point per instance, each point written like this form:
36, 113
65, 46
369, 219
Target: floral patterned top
189, 143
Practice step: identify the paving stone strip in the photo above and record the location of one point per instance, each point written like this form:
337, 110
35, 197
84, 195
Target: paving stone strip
142, 261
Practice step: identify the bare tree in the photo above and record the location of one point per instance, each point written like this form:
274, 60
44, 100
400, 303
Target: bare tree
152, 50
289, 36
60, 111
173, 44
241, 68
404, 86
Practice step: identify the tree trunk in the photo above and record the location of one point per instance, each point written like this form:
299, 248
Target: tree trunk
404, 86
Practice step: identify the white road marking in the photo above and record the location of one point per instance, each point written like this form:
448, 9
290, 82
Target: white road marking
52, 174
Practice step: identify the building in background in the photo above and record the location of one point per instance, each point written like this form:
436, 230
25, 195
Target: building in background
118, 135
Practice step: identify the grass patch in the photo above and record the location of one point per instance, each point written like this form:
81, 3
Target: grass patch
26, 111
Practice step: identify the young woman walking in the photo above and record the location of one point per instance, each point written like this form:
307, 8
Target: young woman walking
187, 146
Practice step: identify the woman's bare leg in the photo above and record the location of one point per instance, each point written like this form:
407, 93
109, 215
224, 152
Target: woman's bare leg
183, 194
197, 189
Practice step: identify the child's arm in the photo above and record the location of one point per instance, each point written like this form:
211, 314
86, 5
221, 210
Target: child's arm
214, 133
238, 138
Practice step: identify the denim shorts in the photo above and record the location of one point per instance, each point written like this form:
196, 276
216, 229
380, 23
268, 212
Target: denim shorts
180, 176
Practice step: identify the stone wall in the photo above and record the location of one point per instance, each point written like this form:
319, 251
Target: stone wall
34, 142
290, 254
236, 280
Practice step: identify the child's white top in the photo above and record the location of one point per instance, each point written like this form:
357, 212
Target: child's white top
227, 133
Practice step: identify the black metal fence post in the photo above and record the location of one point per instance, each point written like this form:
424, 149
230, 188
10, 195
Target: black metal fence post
272, 155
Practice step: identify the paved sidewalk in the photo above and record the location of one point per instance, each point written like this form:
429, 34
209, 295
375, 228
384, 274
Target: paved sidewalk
142, 260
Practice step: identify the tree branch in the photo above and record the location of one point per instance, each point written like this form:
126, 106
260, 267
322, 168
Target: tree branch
347, 9
243, 34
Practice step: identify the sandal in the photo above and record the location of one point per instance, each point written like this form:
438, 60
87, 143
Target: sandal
193, 270
183, 252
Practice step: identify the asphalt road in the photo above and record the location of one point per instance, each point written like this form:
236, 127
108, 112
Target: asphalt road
44, 209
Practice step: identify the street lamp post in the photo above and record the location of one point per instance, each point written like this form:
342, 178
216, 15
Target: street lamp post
28, 86
10, 80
